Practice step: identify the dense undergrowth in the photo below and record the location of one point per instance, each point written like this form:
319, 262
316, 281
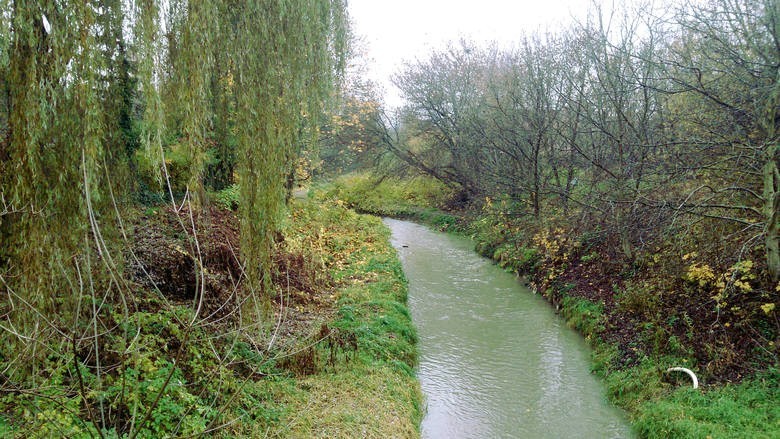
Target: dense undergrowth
334, 358
678, 302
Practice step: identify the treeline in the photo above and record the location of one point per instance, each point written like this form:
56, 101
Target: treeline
107, 104
638, 119
637, 147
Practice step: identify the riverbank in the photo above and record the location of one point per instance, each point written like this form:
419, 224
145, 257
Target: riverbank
334, 356
641, 317
363, 382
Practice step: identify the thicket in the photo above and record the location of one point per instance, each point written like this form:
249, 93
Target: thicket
635, 333
635, 155
105, 105
628, 165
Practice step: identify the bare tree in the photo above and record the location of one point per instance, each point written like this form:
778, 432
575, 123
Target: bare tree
723, 71
443, 94
617, 115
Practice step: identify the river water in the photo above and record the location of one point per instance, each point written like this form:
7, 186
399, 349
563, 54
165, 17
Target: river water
495, 361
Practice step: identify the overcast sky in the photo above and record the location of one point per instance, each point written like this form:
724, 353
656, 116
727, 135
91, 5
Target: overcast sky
399, 30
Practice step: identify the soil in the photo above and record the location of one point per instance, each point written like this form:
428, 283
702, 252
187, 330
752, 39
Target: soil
166, 251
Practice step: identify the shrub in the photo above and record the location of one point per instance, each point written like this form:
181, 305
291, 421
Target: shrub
228, 198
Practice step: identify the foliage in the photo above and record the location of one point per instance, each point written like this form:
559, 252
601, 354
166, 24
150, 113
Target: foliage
229, 197
418, 197
170, 377
602, 160
106, 103
644, 316
278, 111
628, 165
350, 138
590, 122
639, 299
177, 164
147, 381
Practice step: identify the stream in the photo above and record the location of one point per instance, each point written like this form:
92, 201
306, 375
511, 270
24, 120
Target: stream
495, 360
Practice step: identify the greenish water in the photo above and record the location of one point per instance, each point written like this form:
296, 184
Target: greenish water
495, 361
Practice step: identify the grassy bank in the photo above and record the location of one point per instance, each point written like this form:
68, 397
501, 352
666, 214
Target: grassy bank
640, 316
334, 358
420, 199
364, 385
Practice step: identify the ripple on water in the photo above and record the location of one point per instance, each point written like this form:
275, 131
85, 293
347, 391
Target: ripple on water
495, 361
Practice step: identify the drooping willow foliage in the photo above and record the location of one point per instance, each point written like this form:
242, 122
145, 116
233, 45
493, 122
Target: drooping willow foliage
273, 63
282, 84
91, 90
60, 104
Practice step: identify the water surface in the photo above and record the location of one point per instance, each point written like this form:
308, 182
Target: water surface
495, 361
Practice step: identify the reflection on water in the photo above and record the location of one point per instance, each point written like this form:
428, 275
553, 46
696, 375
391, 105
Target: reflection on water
495, 361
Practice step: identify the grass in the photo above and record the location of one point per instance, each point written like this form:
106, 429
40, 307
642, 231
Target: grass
662, 409
659, 405
371, 392
419, 198
360, 401
342, 367
663, 406
583, 315
749, 409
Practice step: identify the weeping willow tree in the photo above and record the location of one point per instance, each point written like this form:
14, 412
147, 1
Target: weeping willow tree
284, 70
54, 185
5, 43
88, 88
241, 79
86, 83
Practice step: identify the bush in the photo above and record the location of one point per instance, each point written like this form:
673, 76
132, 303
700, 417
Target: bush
228, 198
178, 165
639, 299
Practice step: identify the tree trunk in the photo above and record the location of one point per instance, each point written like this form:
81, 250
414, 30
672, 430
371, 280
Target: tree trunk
772, 210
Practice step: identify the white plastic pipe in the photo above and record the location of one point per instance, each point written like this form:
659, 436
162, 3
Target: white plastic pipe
46, 24
688, 371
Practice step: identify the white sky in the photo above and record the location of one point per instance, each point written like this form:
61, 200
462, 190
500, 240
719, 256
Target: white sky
403, 30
